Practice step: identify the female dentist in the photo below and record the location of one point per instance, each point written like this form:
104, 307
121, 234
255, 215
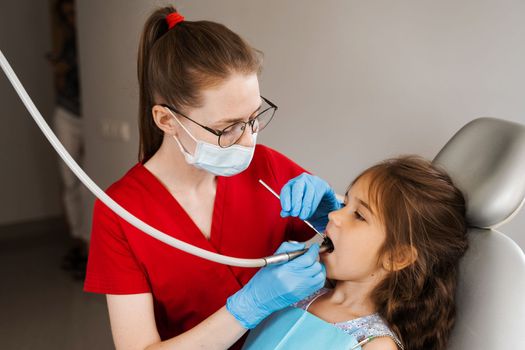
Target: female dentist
197, 180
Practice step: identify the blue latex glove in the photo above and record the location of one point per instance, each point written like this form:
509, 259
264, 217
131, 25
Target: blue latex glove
277, 286
310, 198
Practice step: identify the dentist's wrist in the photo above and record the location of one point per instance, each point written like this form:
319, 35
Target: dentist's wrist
245, 310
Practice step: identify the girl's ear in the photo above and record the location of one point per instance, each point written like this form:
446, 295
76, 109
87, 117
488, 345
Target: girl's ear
163, 118
403, 256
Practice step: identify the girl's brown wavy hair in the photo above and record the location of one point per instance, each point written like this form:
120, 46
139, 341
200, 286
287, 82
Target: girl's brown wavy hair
420, 208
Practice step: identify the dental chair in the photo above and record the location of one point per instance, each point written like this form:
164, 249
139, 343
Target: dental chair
486, 160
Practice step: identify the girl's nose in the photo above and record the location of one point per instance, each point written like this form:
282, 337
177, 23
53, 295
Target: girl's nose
335, 217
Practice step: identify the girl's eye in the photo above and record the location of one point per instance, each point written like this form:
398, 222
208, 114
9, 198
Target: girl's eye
359, 216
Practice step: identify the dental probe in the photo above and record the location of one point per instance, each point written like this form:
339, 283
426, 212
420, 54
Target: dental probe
278, 197
326, 247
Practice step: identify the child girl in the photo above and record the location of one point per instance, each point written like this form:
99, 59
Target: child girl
398, 240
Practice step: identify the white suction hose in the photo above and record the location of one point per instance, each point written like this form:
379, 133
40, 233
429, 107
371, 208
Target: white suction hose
120, 211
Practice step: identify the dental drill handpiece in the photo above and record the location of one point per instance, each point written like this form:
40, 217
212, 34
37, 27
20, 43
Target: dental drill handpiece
326, 247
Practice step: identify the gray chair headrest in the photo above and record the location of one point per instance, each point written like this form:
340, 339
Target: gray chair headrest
486, 161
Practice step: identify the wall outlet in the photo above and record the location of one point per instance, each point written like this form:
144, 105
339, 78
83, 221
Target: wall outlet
113, 129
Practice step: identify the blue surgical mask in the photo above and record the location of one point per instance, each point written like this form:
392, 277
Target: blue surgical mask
215, 159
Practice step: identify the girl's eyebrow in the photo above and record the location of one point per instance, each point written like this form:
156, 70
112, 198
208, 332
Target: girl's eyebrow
362, 202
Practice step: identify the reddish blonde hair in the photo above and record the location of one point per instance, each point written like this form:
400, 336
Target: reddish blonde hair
175, 65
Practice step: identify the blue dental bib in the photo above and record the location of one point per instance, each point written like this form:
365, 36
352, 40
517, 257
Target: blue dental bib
293, 328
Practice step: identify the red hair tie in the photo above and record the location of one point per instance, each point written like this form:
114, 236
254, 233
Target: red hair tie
174, 18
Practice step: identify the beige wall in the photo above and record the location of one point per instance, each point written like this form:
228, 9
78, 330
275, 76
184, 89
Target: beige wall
29, 186
355, 81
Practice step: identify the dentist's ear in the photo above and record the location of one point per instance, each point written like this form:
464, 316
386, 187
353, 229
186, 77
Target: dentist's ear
164, 120
402, 257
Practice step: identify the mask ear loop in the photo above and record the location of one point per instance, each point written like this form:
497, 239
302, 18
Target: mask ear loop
182, 149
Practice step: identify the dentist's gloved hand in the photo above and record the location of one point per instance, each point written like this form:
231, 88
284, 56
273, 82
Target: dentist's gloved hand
277, 286
310, 198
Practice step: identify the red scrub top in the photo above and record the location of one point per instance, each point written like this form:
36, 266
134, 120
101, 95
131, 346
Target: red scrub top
187, 289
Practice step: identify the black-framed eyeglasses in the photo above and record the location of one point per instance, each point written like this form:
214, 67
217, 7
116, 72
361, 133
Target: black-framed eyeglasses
231, 134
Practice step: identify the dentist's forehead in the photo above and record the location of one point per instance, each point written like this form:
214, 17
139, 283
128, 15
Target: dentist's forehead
235, 99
